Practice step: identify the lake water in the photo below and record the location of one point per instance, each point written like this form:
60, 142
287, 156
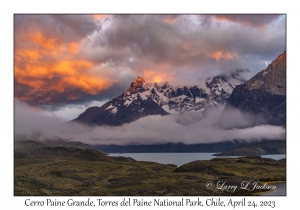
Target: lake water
181, 158
280, 189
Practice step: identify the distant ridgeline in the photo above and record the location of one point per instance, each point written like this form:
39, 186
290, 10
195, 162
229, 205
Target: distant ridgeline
27, 147
228, 148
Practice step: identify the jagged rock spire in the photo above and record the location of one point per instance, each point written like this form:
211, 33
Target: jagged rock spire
139, 81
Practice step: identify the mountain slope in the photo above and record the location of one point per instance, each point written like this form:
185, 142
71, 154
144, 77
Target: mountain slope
272, 79
143, 99
264, 94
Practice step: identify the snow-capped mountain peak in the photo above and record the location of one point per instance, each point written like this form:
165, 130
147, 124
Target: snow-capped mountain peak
142, 99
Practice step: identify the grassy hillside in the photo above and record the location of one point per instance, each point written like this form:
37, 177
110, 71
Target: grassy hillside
256, 148
43, 170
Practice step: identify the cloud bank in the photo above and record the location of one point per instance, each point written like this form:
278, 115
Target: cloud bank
189, 128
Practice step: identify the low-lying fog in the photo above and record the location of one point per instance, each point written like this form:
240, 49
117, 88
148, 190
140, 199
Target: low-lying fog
186, 128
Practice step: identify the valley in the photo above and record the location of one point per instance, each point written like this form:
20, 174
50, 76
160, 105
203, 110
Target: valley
57, 171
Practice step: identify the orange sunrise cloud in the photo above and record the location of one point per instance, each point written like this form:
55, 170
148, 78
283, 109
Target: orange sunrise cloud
217, 55
49, 64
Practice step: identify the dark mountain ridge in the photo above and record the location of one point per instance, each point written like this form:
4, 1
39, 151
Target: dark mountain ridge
264, 95
228, 148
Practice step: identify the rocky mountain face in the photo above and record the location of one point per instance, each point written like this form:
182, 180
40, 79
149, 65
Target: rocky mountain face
272, 79
143, 99
264, 95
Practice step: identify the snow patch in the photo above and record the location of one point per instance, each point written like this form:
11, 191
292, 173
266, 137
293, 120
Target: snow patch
114, 110
197, 99
209, 80
144, 95
182, 97
265, 73
127, 102
110, 107
167, 109
201, 110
